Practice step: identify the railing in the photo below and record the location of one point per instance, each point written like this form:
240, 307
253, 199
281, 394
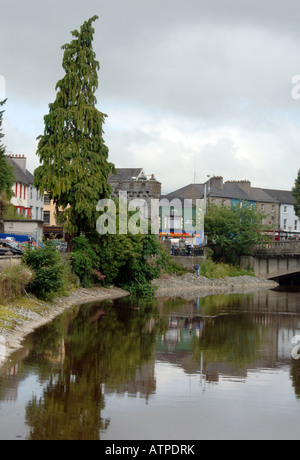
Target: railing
279, 248
193, 252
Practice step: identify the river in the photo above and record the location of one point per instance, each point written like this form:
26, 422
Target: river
208, 368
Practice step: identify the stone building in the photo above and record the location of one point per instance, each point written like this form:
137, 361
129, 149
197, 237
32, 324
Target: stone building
137, 185
277, 206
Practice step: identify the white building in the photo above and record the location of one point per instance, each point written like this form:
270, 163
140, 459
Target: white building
28, 201
288, 220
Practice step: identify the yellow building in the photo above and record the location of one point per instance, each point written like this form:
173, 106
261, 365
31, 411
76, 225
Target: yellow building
52, 219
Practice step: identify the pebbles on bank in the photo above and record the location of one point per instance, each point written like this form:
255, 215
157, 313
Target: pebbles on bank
184, 284
11, 338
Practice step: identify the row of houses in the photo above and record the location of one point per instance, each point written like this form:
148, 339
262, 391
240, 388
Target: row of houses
276, 205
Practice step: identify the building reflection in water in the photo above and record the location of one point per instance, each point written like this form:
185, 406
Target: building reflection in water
212, 338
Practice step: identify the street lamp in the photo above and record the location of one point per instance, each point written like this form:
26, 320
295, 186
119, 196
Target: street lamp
205, 193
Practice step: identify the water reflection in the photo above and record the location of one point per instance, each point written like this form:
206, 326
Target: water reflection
95, 354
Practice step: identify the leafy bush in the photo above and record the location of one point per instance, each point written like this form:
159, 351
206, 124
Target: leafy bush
84, 260
167, 264
215, 270
49, 270
129, 261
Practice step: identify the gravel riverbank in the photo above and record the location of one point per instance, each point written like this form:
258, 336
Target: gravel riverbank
29, 314
32, 314
190, 284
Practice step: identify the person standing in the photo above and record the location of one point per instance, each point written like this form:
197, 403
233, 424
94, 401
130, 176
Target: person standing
197, 269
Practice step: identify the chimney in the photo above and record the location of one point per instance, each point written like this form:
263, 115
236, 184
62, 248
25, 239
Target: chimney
216, 181
20, 160
245, 185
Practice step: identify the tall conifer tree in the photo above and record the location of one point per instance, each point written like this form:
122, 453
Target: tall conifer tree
74, 158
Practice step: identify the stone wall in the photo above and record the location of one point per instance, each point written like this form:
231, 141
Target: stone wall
9, 261
188, 261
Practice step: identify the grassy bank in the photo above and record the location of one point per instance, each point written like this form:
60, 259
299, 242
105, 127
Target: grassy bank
215, 270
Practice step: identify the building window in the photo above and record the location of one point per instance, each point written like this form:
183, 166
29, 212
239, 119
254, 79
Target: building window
262, 207
285, 224
273, 207
285, 209
20, 190
47, 199
47, 217
296, 225
31, 193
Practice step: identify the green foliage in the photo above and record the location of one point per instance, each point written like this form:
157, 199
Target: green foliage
84, 259
211, 269
168, 265
127, 261
49, 270
74, 159
296, 194
233, 231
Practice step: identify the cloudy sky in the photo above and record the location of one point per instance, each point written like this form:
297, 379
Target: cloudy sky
191, 87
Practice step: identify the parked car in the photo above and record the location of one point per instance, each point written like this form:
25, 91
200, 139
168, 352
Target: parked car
4, 251
12, 246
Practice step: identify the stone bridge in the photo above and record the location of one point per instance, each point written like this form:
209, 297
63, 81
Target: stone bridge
275, 259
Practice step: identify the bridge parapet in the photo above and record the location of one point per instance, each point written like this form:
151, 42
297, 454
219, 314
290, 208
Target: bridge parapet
278, 248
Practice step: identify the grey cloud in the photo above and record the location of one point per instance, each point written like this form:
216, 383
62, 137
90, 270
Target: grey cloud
214, 62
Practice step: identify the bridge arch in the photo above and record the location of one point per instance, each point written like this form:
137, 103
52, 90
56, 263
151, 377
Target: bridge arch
278, 259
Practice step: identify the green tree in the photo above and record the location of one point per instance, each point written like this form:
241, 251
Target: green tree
74, 158
7, 178
132, 260
233, 230
49, 270
296, 194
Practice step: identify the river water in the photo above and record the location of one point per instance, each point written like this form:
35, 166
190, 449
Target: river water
214, 367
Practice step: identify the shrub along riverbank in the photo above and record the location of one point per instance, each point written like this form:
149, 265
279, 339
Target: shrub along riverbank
131, 263
47, 283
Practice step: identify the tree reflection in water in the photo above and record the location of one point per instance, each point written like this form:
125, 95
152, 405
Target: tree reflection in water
94, 351
91, 347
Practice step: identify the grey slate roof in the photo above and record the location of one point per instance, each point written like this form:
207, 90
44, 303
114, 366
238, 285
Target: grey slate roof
281, 196
260, 194
125, 174
23, 177
232, 190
